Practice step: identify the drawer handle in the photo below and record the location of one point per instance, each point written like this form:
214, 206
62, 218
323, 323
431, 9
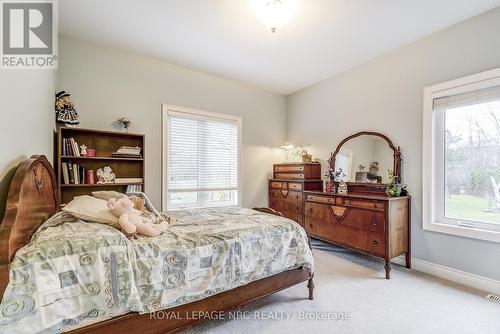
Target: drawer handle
374, 222
311, 210
374, 242
284, 193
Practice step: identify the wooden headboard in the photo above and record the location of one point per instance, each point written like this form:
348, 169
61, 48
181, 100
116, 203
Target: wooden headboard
31, 200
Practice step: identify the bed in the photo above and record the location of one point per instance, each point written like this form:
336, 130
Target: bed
94, 280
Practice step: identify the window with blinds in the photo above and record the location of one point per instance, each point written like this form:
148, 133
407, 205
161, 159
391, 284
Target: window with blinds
202, 160
462, 156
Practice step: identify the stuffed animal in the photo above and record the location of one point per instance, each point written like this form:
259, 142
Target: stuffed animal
139, 204
130, 219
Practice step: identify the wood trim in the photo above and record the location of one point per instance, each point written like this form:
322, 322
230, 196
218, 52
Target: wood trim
31, 200
269, 211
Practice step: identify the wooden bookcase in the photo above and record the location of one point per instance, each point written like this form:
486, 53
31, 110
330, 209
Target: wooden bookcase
104, 143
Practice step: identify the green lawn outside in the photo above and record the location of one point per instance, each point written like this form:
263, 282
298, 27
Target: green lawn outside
469, 207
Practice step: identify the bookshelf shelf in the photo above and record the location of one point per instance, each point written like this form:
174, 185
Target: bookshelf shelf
101, 185
104, 143
100, 158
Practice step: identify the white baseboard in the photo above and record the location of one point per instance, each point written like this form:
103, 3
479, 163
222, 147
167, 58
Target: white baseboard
454, 275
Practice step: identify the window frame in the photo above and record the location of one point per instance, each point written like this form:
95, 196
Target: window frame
194, 113
432, 157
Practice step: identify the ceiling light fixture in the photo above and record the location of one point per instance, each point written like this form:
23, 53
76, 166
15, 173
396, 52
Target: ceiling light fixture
275, 13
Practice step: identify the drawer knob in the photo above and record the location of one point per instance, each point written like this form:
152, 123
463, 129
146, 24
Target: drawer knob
374, 222
374, 242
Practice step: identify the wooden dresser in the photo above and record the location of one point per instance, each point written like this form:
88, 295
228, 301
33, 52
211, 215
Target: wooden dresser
373, 224
288, 184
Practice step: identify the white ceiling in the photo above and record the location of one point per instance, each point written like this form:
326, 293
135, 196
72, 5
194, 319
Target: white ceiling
225, 38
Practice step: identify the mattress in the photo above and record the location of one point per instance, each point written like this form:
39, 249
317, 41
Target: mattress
74, 273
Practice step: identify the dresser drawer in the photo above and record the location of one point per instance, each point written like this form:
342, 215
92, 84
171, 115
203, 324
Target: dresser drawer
291, 209
278, 185
289, 176
320, 199
364, 204
286, 194
363, 219
366, 241
294, 186
288, 169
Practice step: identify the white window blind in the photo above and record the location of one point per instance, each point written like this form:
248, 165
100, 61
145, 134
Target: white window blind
202, 161
466, 99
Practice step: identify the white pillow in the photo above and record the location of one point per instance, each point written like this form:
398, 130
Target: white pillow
91, 209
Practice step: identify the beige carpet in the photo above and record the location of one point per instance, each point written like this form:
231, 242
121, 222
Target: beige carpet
410, 302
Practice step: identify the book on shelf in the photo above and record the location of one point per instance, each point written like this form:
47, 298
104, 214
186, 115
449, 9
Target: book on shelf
76, 177
134, 188
70, 147
128, 180
65, 173
81, 174
128, 152
71, 174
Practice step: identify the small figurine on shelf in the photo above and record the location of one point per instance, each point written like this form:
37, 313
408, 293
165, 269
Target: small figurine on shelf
105, 175
83, 150
125, 122
66, 114
339, 176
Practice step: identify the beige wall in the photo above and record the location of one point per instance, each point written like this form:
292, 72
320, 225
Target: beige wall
107, 83
26, 120
386, 95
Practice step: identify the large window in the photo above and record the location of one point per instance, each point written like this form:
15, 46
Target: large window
201, 159
462, 156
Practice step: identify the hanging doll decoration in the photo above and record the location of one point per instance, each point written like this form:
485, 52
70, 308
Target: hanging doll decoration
65, 110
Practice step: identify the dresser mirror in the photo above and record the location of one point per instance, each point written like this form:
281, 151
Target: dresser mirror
365, 158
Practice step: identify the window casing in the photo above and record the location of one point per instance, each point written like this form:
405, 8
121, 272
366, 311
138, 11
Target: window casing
201, 159
461, 156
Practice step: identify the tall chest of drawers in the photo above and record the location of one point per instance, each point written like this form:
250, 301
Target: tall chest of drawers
288, 184
375, 225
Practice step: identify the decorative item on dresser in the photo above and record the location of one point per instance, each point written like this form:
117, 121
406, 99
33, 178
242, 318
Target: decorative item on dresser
73, 177
287, 186
365, 218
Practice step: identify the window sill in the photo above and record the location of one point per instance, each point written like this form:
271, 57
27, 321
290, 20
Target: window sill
466, 232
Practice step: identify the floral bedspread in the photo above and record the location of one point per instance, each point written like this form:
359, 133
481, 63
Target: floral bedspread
74, 273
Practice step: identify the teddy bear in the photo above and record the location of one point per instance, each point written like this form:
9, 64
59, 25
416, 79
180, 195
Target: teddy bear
139, 204
130, 219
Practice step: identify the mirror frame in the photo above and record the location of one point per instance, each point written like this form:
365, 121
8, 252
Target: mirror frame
396, 155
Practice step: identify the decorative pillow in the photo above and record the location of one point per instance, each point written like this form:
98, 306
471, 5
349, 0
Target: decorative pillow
107, 194
91, 209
